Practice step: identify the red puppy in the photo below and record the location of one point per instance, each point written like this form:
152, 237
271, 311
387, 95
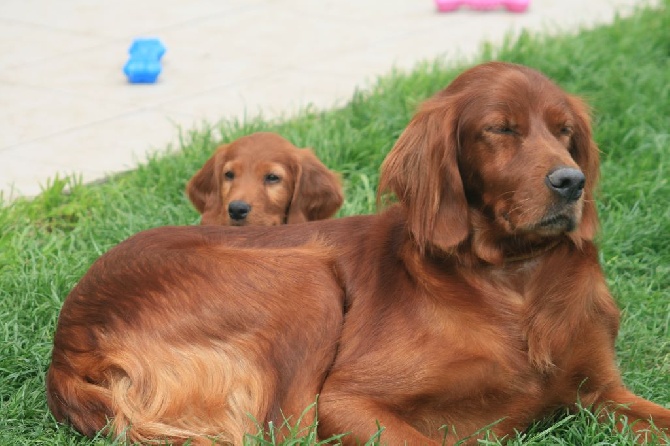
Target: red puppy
262, 179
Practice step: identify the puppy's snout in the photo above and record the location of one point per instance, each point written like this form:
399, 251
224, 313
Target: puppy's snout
567, 182
238, 209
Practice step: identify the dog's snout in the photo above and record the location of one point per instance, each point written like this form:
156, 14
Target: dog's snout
238, 209
567, 182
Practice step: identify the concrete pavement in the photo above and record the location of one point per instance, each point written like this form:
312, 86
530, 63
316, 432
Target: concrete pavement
66, 106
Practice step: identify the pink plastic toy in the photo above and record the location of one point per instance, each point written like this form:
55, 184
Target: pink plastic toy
483, 5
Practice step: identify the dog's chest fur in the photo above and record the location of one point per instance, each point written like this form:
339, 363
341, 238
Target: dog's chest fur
490, 337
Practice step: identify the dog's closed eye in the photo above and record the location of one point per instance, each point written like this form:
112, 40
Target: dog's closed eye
504, 129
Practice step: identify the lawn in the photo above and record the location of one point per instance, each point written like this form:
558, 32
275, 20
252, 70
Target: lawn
622, 70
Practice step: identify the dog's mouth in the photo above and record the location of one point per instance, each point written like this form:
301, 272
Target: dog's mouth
553, 220
549, 225
557, 223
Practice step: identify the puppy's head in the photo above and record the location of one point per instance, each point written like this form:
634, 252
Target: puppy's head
262, 179
502, 153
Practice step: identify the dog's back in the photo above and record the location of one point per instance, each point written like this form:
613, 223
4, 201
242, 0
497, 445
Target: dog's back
219, 369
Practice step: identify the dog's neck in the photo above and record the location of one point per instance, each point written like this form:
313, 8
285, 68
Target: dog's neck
532, 251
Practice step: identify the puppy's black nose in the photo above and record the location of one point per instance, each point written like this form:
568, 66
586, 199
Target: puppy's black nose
238, 209
567, 182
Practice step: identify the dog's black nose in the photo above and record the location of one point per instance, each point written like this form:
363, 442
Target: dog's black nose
238, 209
567, 182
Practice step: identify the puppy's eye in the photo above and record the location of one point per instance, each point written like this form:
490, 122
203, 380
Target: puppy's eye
272, 178
565, 130
230, 175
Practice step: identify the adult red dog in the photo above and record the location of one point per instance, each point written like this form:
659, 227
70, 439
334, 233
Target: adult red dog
477, 299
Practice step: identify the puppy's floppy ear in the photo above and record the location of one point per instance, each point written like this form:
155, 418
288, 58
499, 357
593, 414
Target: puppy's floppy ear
203, 187
317, 192
586, 153
422, 171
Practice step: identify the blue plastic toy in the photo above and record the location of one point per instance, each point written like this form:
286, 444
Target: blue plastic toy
144, 64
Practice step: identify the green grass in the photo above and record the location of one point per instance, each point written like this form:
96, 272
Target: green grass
623, 70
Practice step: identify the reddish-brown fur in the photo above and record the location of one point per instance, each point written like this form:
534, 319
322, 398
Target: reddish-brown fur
278, 183
476, 299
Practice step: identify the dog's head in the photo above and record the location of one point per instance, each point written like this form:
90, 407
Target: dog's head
262, 179
501, 154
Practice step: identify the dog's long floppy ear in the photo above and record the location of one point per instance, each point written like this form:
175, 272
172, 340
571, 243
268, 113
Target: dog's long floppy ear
203, 187
586, 153
422, 171
317, 192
